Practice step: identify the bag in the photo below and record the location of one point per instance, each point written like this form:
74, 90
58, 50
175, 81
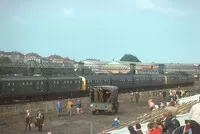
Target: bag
32, 125
175, 123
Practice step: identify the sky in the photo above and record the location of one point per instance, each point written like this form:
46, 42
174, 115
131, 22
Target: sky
162, 31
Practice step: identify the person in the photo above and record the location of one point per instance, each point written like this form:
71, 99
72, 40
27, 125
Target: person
69, 106
131, 96
138, 128
194, 116
152, 129
108, 93
58, 107
171, 108
159, 125
78, 106
170, 123
40, 120
96, 95
137, 96
131, 130
116, 122
164, 95
151, 104
28, 120
101, 95
160, 97
49, 132
162, 105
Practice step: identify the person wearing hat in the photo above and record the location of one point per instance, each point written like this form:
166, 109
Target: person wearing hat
28, 120
116, 122
40, 120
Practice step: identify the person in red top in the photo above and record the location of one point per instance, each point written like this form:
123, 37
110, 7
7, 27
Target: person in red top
152, 129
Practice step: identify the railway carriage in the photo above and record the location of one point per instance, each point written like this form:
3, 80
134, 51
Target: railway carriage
158, 80
23, 87
172, 79
141, 81
97, 80
122, 81
64, 86
190, 79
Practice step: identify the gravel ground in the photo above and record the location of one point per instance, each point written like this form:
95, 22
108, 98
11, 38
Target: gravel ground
84, 123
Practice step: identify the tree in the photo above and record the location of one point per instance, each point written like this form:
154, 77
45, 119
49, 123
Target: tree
129, 57
5, 60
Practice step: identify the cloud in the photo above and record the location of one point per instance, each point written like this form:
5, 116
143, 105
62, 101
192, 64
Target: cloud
68, 12
163, 6
19, 19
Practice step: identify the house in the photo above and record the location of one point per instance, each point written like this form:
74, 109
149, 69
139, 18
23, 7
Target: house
32, 56
56, 59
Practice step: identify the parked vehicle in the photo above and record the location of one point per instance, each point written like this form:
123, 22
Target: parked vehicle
110, 99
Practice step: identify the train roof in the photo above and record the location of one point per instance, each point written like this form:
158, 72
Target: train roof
64, 77
16, 78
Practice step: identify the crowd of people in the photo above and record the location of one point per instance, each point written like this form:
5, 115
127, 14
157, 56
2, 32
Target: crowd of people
38, 121
168, 124
68, 106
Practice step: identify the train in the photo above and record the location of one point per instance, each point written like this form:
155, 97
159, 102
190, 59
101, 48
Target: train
37, 87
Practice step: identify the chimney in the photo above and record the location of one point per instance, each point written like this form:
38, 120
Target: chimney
132, 68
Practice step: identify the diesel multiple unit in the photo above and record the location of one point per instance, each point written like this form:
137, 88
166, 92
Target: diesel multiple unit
32, 87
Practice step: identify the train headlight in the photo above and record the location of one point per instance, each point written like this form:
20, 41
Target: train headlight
91, 105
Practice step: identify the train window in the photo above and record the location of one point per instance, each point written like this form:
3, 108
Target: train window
70, 82
41, 83
38, 83
64, 81
26, 83
57, 82
79, 81
8, 84
54, 82
23, 83
31, 83
13, 84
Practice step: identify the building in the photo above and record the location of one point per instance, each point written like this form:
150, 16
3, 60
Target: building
56, 59
2, 53
32, 57
95, 65
115, 67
